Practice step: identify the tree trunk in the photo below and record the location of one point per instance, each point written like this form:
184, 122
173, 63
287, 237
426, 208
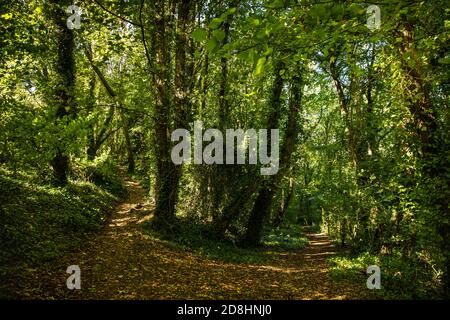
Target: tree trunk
425, 127
222, 175
262, 205
128, 145
97, 141
284, 204
168, 174
63, 95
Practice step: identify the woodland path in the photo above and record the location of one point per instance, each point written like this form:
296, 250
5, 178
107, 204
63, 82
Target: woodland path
122, 262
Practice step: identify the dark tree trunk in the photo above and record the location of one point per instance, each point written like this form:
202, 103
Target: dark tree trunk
255, 222
91, 151
262, 205
425, 127
63, 95
128, 144
222, 174
168, 174
284, 205
234, 208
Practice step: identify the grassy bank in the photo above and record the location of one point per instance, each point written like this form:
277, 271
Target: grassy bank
40, 222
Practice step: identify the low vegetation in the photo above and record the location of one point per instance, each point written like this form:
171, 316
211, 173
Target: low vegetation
40, 222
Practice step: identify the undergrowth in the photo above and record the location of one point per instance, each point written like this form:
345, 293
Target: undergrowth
40, 222
400, 279
188, 235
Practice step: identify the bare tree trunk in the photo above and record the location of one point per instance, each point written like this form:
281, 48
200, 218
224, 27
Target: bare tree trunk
97, 141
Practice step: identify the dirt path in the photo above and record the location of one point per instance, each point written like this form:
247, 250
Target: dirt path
121, 262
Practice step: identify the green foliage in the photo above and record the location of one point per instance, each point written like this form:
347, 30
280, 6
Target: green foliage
40, 222
101, 172
200, 34
400, 279
370, 161
288, 237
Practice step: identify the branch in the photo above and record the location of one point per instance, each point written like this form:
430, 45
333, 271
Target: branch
115, 14
109, 134
88, 53
105, 126
144, 42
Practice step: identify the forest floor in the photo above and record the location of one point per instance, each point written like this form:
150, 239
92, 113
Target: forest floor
123, 262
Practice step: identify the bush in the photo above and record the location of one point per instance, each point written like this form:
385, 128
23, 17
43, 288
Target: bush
400, 278
102, 172
289, 237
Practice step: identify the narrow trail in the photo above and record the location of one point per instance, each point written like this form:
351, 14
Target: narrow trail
121, 262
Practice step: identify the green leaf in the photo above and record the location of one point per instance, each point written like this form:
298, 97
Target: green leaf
268, 51
243, 55
211, 44
275, 4
200, 34
445, 60
255, 22
215, 23
260, 66
219, 34
6, 16
261, 34
232, 10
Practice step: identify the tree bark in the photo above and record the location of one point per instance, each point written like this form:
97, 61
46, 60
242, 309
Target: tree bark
284, 204
425, 127
262, 205
168, 174
63, 95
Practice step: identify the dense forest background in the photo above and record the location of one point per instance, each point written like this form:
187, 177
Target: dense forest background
363, 118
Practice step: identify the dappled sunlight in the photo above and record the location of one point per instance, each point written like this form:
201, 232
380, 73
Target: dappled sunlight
318, 243
124, 262
320, 254
145, 219
121, 222
275, 269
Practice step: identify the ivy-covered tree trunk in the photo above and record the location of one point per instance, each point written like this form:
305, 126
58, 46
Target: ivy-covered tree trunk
425, 126
261, 207
168, 174
63, 99
222, 174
